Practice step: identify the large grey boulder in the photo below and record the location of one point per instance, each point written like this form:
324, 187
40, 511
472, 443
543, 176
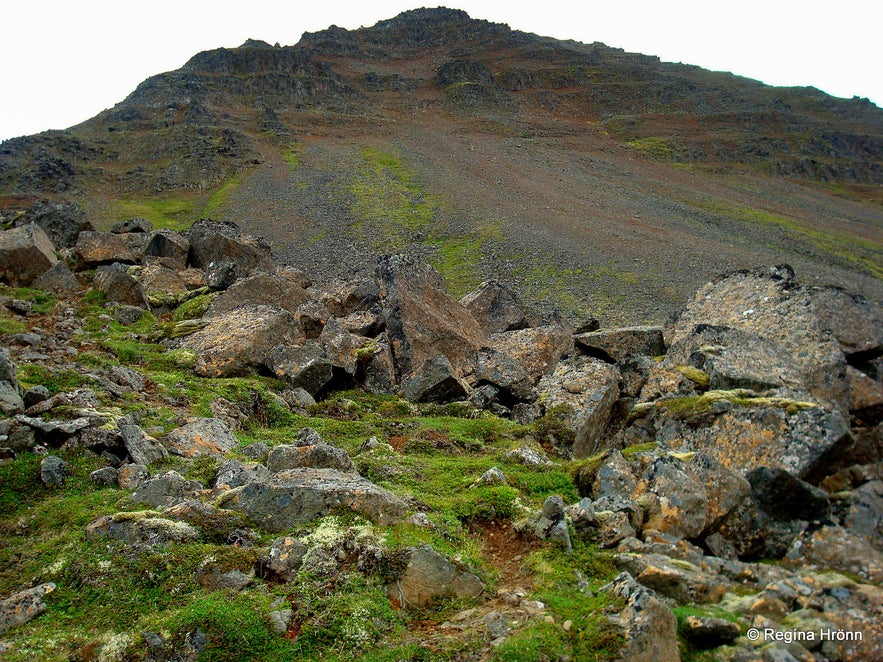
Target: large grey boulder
61, 221
97, 248
429, 576
504, 372
213, 242
264, 288
434, 381
497, 308
422, 319
313, 456
202, 437
166, 489
239, 342
855, 322
616, 344
143, 449
59, 279
537, 350
142, 528
119, 286
170, 247
584, 390
733, 358
25, 254
649, 626
770, 304
801, 441
298, 496
303, 366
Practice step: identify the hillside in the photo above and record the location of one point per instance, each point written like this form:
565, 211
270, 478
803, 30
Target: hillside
602, 182
204, 455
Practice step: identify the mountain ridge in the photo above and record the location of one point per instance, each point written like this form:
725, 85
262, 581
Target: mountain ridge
595, 180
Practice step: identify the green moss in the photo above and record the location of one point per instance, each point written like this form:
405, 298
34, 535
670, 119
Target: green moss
56, 380
695, 375
221, 195
863, 254
292, 155
42, 302
174, 212
700, 405
8, 326
193, 308
655, 146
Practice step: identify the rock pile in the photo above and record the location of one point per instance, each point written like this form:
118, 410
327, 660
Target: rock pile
748, 428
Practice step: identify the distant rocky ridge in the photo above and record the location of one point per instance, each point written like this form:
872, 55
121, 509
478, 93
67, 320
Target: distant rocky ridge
748, 428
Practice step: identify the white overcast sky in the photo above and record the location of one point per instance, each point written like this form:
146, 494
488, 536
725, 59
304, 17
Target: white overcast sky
61, 62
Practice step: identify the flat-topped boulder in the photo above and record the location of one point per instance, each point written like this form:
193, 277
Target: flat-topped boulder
25, 254
298, 496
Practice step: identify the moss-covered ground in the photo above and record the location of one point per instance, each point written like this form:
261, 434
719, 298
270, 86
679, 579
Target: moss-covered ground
111, 595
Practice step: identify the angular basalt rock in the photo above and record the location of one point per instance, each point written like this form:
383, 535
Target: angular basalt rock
97, 248
649, 626
585, 390
496, 308
23, 607
616, 344
537, 350
313, 456
25, 254
261, 289
119, 286
202, 437
429, 576
239, 342
303, 366
435, 381
422, 319
770, 304
223, 242
299, 496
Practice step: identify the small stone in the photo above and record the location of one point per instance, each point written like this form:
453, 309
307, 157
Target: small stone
54, 470
567, 625
105, 476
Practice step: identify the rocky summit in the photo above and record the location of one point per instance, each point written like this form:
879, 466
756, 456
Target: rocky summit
205, 454
437, 340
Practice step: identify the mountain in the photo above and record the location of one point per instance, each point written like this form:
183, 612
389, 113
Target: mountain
599, 181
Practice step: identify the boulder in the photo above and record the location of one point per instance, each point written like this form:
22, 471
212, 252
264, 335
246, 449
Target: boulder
496, 308
54, 471
239, 342
770, 304
157, 277
119, 286
285, 557
724, 489
429, 576
213, 242
865, 398
58, 279
613, 345
649, 626
584, 390
675, 503
142, 528
733, 358
435, 381
785, 497
202, 437
166, 489
855, 322
261, 289
504, 372
170, 247
342, 299
423, 320
61, 221
303, 366
677, 579
743, 438
97, 248
25, 254
838, 549
11, 401
362, 323
707, 632
142, 448
298, 496
536, 350
313, 456
234, 473
23, 607
342, 347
